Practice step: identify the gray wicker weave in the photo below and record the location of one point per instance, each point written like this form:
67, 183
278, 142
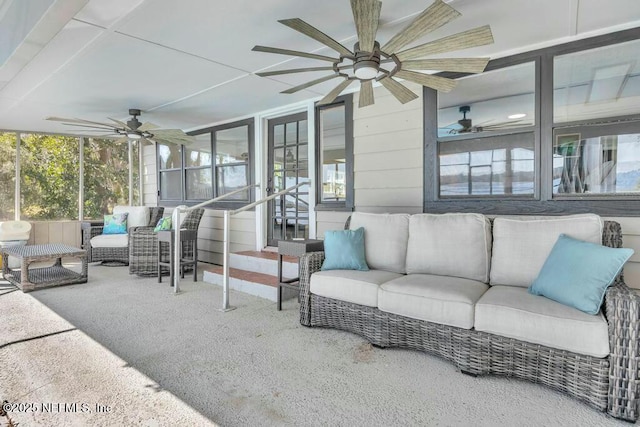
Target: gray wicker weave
143, 246
112, 256
610, 384
29, 279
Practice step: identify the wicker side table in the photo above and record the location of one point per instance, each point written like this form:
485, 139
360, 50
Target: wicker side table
295, 248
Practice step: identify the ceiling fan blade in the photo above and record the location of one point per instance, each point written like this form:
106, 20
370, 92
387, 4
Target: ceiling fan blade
461, 65
293, 70
309, 84
476, 37
118, 122
172, 133
60, 119
366, 14
366, 94
268, 49
146, 126
331, 96
432, 18
397, 89
311, 31
438, 83
91, 127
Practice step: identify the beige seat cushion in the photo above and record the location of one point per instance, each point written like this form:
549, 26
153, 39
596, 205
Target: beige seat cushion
385, 239
138, 215
521, 246
440, 299
514, 313
358, 287
457, 244
110, 241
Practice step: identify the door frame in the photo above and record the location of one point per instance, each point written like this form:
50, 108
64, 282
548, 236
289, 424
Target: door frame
262, 146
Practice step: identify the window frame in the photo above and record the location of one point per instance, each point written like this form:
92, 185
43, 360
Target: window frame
543, 202
348, 204
222, 205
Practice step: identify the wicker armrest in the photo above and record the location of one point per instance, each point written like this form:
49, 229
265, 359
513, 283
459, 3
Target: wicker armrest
88, 231
309, 264
622, 306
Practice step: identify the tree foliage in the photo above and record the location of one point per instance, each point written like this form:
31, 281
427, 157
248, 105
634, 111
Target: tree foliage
50, 176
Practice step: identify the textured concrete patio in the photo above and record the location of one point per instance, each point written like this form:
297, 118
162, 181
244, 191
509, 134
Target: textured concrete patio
159, 359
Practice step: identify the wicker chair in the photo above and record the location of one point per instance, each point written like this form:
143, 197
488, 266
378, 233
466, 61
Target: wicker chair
610, 384
112, 256
143, 246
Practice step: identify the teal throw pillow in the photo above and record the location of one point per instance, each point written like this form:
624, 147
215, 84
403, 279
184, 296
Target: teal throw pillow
578, 273
115, 224
163, 224
344, 250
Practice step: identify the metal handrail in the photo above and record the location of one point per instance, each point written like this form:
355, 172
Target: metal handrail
175, 219
225, 262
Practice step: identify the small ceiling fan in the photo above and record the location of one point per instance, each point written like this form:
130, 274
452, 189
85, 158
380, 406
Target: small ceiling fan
132, 129
465, 124
370, 61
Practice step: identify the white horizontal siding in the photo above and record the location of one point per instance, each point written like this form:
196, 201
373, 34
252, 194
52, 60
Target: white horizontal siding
388, 155
631, 239
330, 221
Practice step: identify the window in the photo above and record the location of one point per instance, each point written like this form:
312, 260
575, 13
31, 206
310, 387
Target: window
50, 177
106, 176
7, 176
547, 132
219, 162
485, 134
334, 136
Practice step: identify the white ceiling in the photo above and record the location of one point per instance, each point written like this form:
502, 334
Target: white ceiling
188, 64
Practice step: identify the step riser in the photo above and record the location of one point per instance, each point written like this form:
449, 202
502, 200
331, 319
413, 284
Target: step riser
252, 288
262, 265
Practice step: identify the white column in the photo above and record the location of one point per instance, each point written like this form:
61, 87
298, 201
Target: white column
16, 206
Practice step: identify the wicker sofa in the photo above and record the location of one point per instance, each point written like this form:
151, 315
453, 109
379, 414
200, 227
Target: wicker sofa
114, 249
449, 302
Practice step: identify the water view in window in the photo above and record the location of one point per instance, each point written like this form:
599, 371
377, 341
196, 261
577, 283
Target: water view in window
333, 153
488, 166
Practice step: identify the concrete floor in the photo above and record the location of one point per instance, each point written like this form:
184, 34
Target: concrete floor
160, 359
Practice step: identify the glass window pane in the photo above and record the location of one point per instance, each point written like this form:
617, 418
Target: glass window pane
231, 178
333, 154
169, 156
596, 164
291, 135
502, 165
199, 184
106, 176
232, 145
491, 101
303, 132
199, 152
170, 185
7, 176
278, 135
49, 177
597, 83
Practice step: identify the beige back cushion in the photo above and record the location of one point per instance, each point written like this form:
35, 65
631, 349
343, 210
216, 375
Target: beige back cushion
385, 239
521, 246
138, 215
456, 245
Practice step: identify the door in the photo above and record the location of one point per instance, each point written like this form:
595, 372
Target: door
288, 165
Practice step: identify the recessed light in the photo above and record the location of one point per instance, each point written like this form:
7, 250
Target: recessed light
516, 116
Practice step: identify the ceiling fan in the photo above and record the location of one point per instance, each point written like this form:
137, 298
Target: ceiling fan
371, 61
465, 125
132, 129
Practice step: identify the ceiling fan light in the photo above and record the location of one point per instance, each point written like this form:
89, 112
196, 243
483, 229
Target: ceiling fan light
132, 135
516, 116
365, 72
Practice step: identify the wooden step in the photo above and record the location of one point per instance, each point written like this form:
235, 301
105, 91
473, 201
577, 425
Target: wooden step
250, 282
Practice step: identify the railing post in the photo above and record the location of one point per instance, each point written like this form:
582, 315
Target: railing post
225, 265
177, 247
